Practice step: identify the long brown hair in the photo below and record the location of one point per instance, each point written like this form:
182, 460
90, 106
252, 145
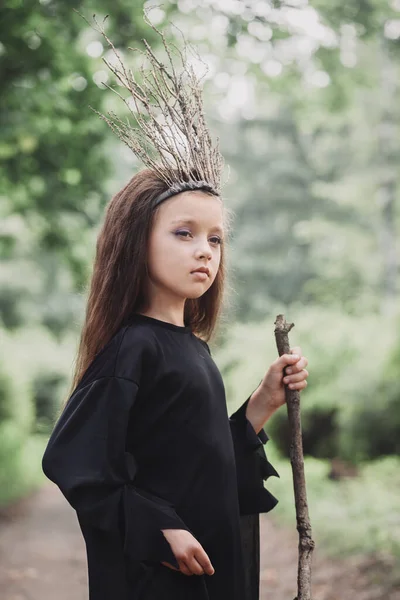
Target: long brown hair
119, 272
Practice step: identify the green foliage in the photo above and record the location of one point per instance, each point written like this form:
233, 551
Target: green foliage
374, 426
352, 516
344, 395
374, 429
46, 398
34, 376
16, 419
47, 176
11, 447
43, 152
20, 463
54, 161
15, 393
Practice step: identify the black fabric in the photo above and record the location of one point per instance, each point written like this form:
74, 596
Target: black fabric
250, 531
145, 443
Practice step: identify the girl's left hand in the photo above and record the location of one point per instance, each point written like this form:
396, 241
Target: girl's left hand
273, 383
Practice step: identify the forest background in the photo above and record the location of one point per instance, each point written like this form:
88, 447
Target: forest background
305, 99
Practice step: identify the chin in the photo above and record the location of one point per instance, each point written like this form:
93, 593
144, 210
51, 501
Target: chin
193, 294
189, 291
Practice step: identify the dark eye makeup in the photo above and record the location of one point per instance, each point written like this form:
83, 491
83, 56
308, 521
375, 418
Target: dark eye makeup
216, 237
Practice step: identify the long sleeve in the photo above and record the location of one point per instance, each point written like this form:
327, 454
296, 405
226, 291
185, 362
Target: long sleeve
86, 457
252, 465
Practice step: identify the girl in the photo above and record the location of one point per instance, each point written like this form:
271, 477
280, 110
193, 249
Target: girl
167, 488
144, 450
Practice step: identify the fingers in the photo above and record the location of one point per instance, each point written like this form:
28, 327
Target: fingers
204, 561
296, 377
295, 373
196, 563
294, 363
167, 564
297, 381
297, 367
300, 364
291, 367
184, 568
190, 555
298, 386
195, 567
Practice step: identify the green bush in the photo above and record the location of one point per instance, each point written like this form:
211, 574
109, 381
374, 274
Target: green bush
350, 516
349, 409
15, 397
33, 373
374, 426
16, 419
46, 397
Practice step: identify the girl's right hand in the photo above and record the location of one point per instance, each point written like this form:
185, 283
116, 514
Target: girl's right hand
189, 553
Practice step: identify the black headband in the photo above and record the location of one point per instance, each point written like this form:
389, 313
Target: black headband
184, 186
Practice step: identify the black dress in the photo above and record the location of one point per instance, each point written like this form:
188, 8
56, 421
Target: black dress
145, 443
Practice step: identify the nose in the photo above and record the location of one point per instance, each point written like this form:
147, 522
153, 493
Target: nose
204, 253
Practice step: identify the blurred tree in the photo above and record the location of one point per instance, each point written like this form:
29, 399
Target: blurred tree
372, 31
283, 220
315, 153
53, 151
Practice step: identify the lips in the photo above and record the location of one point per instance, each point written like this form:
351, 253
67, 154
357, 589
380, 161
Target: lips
202, 270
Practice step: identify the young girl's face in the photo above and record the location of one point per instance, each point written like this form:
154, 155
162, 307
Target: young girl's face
186, 235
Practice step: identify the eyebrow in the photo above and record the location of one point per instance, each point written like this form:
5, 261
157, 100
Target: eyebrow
193, 222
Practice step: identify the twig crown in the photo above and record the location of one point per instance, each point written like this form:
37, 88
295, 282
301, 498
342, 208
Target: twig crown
171, 136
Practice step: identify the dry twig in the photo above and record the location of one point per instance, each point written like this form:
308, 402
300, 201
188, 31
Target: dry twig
306, 543
171, 136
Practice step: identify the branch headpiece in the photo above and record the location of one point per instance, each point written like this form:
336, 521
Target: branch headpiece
171, 135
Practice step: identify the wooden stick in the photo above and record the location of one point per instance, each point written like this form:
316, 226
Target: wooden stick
306, 543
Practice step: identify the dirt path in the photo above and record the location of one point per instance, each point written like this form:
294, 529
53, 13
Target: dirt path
42, 553
42, 557
355, 578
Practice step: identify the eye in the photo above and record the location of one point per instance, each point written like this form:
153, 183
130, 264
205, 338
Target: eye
218, 241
